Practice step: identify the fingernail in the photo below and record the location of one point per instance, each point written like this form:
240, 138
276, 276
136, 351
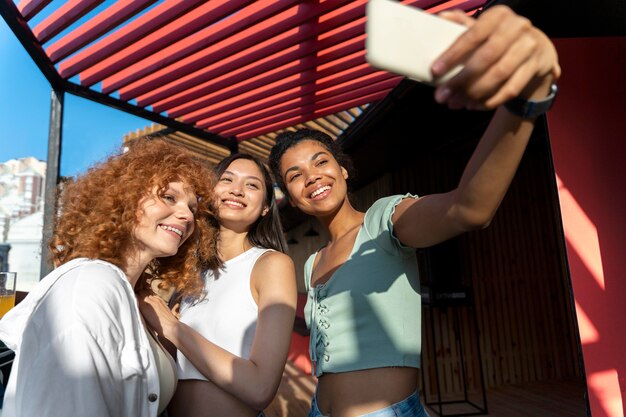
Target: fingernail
442, 94
439, 67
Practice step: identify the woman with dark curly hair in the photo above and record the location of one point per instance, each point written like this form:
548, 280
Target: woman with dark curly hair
81, 346
363, 305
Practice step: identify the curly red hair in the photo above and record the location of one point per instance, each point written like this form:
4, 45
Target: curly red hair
98, 212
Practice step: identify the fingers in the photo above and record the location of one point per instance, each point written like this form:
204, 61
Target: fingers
503, 55
467, 43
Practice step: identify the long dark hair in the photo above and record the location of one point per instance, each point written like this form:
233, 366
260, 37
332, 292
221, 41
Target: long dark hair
267, 231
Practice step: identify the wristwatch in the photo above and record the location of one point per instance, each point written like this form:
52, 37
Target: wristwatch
530, 109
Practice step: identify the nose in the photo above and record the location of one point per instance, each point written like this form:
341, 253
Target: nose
311, 178
236, 189
184, 213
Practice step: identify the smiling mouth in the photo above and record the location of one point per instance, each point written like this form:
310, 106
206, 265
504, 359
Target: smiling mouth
233, 203
320, 191
172, 229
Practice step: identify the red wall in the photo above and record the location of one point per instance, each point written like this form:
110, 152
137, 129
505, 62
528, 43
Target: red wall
588, 134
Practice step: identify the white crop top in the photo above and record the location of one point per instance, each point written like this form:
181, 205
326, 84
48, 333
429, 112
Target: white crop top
227, 316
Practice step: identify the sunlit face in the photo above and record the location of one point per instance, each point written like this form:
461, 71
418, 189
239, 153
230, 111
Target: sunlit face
240, 195
315, 181
165, 221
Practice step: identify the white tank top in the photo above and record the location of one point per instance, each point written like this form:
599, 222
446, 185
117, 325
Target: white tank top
228, 314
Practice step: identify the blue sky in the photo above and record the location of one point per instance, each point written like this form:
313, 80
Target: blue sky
91, 131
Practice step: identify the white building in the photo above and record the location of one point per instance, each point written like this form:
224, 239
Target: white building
21, 216
25, 255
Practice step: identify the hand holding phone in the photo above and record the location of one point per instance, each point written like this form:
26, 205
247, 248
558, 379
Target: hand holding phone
406, 40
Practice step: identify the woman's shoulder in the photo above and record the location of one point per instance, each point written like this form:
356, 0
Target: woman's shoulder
95, 280
273, 259
386, 203
95, 270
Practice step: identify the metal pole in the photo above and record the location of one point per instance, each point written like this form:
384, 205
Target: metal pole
233, 145
52, 175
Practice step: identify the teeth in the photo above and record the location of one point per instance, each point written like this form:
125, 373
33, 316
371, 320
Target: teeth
320, 191
172, 229
234, 203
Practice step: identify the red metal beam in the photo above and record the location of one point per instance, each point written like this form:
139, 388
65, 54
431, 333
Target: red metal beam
197, 19
117, 13
255, 38
225, 29
62, 17
221, 74
138, 28
271, 82
305, 117
245, 65
167, 87
194, 97
29, 8
466, 5
275, 91
335, 102
309, 91
221, 113
347, 92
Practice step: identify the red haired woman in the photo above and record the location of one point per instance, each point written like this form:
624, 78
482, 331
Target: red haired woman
81, 346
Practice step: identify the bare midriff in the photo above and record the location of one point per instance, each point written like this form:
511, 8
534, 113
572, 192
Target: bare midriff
203, 398
351, 394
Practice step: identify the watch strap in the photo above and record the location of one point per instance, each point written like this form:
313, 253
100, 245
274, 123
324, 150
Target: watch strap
530, 109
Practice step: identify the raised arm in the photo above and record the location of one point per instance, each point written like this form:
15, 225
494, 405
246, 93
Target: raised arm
254, 380
504, 57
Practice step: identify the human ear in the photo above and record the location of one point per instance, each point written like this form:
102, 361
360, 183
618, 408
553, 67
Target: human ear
265, 211
344, 172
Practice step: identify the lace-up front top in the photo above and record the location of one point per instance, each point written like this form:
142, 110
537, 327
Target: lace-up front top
368, 314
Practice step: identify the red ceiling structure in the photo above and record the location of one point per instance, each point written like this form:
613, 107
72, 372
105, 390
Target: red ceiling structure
220, 69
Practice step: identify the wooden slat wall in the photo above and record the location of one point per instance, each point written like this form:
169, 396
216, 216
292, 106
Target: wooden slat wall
516, 271
522, 295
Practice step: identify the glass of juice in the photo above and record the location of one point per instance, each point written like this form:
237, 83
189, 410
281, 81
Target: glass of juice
7, 291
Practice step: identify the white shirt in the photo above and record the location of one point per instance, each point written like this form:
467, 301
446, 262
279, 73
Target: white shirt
228, 315
81, 349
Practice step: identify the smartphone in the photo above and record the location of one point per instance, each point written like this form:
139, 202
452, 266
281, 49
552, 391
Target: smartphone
406, 40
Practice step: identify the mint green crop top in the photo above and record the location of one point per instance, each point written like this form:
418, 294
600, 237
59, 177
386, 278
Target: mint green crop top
368, 314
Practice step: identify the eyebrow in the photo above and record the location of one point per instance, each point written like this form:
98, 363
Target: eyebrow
253, 177
313, 158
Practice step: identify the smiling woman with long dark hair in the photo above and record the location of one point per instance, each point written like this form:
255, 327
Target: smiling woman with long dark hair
233, 344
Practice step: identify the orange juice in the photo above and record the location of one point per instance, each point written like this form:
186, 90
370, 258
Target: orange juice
7, 301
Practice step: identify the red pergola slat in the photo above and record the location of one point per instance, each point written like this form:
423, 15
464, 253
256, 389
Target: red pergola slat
285, 94
271, 90
305, 116
352, 97
95, 27
29, 8
285, 22
197, 41
134, 30
63, 17
194, 96
227, 67
187, 25
284, 77
349, 91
